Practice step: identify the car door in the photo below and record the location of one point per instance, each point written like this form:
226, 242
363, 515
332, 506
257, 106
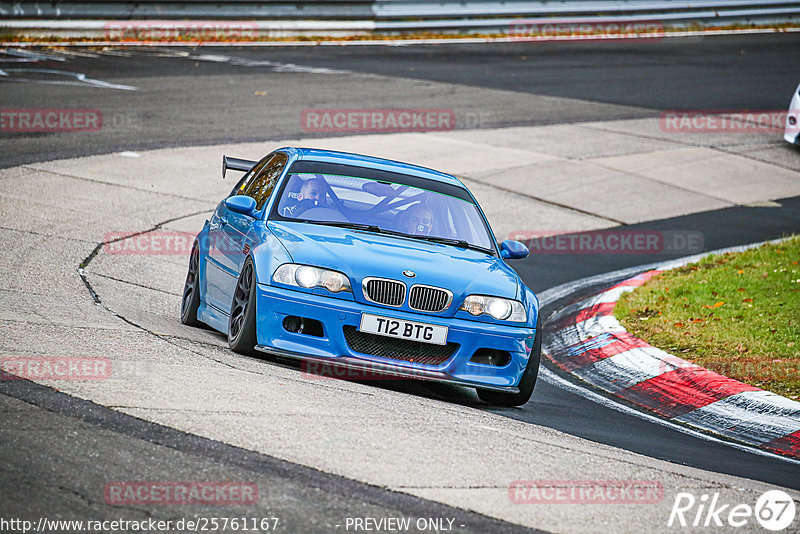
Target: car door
231, 234
218, 270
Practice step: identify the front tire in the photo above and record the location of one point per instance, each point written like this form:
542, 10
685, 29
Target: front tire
191, 294
242, 336
526, 383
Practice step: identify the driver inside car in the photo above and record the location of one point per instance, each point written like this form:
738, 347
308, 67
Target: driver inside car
312, 189
311, 195
417, 219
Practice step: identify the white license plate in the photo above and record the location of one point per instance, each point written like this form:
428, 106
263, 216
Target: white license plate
386, 326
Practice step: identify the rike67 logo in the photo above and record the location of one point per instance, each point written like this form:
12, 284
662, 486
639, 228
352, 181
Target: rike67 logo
774, 510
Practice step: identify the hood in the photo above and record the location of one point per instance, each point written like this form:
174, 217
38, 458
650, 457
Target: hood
362, 254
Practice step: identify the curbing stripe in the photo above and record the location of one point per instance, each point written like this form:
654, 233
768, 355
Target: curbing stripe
629, 369
734, 415
675, 393
590, 343
604, 308
585, 330
595, 349
610, 296
639, 279
787, 445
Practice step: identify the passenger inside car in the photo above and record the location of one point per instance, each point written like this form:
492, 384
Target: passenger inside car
417, 219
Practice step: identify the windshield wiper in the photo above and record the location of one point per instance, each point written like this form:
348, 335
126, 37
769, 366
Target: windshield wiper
378, 230
345, 224
354, 226
455, 242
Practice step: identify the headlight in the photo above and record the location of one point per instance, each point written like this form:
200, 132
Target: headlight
306, 276
310, 277
500, 309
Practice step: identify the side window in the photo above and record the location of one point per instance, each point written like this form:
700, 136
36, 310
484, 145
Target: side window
247, 179
265, 179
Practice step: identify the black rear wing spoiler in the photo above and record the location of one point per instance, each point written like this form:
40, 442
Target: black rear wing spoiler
236, 164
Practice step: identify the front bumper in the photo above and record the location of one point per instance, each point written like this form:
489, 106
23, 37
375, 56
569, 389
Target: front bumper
274, 304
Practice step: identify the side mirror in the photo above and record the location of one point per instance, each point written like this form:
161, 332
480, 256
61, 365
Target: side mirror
241, 204
513, 250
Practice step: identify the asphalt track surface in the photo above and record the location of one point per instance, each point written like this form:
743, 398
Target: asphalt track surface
207, 100
219, 95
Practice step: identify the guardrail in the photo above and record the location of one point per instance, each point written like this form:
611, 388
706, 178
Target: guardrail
280, 18
396, 9
192, 10
492, 17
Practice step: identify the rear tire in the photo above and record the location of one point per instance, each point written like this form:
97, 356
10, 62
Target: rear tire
191, 294
526, 383
242, 336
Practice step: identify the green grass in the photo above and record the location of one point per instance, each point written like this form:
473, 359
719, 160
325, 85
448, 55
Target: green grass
737, 314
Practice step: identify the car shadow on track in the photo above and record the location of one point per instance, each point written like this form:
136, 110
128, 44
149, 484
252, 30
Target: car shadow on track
450, 393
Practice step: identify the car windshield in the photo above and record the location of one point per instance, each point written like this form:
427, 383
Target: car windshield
403, 205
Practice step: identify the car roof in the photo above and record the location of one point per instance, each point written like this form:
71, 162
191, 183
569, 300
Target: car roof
359, 160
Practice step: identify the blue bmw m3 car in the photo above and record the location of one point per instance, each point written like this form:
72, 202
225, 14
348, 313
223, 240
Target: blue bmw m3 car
366, 264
